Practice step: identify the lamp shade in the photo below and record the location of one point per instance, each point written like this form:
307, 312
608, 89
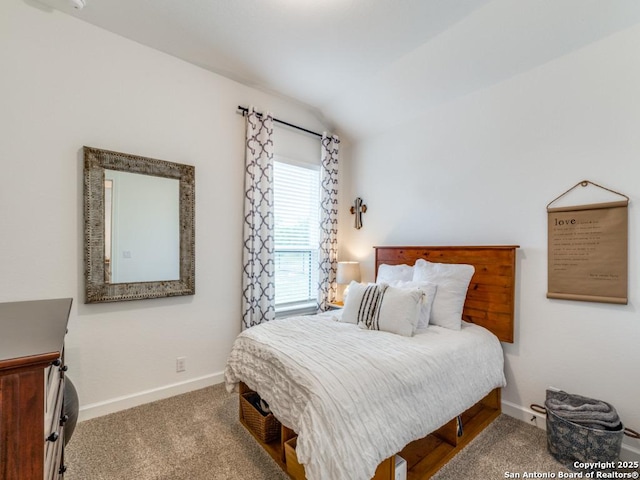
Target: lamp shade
348, 272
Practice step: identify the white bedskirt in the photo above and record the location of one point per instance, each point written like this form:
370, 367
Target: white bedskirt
355, 397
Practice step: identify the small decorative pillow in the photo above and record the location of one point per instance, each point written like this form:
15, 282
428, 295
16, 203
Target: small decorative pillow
429, 290
352, 302
394, 273
381, 307
452, 281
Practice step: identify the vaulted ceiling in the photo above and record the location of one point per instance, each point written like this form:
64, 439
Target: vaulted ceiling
363, 65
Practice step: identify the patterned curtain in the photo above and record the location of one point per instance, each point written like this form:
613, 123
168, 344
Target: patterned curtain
328, 256
258, 279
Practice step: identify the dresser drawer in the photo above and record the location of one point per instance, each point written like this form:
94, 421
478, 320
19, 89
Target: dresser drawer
54, 425
53, 418
53, 387
53, 457
51, 375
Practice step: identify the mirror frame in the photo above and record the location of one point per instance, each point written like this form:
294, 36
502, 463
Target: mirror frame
96, 289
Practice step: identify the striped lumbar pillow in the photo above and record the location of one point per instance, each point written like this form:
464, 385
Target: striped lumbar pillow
381, 307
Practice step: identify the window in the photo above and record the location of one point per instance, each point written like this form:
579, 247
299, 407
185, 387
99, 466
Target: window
296, 192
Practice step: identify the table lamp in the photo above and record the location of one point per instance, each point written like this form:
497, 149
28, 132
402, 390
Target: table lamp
347, 272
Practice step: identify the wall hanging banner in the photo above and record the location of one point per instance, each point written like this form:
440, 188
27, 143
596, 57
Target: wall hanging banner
587, 256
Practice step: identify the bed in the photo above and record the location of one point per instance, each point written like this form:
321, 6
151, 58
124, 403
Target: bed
349, 399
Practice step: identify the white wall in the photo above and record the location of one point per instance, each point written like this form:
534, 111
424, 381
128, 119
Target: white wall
65, 84
482, 169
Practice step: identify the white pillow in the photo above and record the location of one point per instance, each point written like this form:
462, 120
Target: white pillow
453, 281
429, 291
394, 273
381, 307
352, 302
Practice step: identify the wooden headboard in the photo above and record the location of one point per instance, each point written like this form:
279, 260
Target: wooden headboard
491, 295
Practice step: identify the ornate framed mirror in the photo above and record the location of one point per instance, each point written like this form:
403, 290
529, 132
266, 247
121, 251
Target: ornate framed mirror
139, 228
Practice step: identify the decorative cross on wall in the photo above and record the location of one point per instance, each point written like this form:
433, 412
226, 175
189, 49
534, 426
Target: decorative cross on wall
358, 209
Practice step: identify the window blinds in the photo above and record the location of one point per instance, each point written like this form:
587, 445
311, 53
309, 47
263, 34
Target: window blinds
296, 224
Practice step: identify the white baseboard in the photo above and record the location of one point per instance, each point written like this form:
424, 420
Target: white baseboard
627, 453
113, 405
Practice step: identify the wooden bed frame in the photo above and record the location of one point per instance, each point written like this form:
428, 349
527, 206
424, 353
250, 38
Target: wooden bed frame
489, 303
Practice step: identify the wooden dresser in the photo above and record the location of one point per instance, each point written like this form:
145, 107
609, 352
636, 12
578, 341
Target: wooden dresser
32, 389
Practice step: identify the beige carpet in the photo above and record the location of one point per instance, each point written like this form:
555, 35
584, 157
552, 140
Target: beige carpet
197, 436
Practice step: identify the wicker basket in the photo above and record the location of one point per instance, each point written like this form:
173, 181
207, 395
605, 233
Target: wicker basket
266, 428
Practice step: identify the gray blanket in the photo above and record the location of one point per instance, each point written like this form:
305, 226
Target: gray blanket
584, 411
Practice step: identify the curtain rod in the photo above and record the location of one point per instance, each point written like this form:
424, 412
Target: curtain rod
244, 111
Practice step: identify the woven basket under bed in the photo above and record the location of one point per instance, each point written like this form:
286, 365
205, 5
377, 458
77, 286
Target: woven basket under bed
265, 427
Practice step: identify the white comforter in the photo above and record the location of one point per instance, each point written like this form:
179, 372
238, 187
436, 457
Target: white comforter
355, 397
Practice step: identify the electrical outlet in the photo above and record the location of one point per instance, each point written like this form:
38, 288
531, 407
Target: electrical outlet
181, 364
